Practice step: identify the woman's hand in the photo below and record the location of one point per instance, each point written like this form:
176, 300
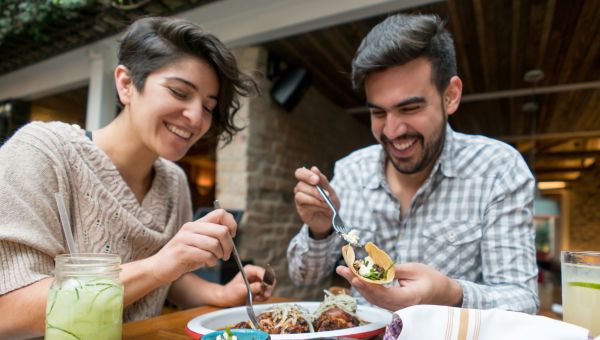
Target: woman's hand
197, 244
234, 292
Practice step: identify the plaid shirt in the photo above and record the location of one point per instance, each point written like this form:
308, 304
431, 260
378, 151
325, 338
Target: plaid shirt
471, 220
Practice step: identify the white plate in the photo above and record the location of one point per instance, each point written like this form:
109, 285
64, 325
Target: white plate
377, 320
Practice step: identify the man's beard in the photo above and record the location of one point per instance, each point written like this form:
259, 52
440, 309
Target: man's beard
430, 151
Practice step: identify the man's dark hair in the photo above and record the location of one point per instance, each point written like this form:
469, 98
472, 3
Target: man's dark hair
402, 38
150, 44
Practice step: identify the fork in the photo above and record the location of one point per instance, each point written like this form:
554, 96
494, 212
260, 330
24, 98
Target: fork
336, 221
236, 256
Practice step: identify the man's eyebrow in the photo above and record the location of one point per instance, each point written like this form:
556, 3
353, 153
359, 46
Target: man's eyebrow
190, 84
408, 101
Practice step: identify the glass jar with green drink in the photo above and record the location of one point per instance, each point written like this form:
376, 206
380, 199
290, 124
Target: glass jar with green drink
85, 300
580, 271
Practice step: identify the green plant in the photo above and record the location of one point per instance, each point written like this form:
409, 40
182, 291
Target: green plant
30, 17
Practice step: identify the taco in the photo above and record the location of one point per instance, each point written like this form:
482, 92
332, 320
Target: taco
377, 267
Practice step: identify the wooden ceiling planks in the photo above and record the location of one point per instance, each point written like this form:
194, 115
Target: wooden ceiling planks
461, 48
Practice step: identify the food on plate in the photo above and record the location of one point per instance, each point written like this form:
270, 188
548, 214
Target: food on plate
336, 312
282, 319
377, 267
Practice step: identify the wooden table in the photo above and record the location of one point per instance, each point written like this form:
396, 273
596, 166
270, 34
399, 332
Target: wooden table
170, 326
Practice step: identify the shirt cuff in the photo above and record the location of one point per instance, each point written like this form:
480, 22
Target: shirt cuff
317, 246
468, 294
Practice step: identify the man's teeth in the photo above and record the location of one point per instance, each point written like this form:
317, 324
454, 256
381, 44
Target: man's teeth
403, 146
179, 132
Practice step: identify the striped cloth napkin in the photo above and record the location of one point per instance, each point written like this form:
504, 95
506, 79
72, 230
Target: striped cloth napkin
451, 323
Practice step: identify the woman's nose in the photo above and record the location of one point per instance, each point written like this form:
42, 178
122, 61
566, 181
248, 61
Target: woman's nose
195, 114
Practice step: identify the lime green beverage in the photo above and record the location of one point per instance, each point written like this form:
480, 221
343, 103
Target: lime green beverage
85, 300
581, 289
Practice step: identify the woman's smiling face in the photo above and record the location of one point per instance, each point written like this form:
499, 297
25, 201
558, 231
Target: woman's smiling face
174, 108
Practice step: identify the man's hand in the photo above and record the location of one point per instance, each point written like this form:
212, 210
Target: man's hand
418, 284
311, 207
234, 292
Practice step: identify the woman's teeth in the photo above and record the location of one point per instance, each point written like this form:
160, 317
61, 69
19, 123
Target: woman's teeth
403, 146
179, 132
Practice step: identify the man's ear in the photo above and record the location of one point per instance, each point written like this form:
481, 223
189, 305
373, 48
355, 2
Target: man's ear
452, 95
124, 84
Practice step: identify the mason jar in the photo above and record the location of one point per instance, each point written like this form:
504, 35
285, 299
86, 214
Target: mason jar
85, 300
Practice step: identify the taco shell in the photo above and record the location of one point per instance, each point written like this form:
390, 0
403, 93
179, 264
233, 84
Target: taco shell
380, 258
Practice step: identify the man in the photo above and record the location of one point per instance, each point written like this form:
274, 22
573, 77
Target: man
453, 210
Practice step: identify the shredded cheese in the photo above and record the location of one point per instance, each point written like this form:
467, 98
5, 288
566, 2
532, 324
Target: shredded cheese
342, 301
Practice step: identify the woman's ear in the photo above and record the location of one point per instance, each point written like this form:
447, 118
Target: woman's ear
452, 95
124, 84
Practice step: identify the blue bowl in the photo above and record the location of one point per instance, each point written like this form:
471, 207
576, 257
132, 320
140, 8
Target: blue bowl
241, 334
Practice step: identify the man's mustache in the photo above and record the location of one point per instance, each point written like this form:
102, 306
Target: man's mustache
416, 135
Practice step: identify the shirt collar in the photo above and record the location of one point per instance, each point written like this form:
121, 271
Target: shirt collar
445, 163
376, 171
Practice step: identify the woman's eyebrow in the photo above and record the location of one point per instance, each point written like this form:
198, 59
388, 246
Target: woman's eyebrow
187, 82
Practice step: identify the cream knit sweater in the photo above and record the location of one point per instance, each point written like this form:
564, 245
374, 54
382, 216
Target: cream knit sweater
43, 158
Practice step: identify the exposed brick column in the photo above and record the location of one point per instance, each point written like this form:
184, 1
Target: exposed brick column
256, 171
585, 216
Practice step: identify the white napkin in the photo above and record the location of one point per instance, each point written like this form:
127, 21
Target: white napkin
451, 323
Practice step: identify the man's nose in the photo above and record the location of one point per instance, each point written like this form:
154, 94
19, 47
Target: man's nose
394, 126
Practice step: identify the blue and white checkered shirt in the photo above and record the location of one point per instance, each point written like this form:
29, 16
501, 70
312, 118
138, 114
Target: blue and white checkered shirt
471, 220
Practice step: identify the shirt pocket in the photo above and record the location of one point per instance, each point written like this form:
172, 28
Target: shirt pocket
453, 247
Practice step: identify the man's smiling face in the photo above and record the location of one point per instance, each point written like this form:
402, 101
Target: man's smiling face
408, 117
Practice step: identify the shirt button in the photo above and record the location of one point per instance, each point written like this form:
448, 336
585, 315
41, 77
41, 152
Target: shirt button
451, 236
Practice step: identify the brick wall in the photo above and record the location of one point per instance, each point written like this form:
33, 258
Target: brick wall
584, 213
256, 171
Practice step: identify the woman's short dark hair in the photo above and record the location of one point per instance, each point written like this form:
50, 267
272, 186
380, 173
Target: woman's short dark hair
152, 43
401, 38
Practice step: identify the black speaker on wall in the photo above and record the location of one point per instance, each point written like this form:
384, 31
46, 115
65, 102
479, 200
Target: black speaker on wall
13, 115
289, 88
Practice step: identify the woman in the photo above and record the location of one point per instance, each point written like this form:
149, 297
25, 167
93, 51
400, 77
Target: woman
124, 194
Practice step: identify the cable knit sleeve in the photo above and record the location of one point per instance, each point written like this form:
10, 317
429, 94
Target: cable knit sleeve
30, 231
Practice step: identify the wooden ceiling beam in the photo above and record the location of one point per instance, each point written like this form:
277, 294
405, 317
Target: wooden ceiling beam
558, 176
569, 154
555, 179
530, 91
550, 136
558, 169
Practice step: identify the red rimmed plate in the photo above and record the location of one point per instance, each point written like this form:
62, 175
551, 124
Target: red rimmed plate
376, 319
